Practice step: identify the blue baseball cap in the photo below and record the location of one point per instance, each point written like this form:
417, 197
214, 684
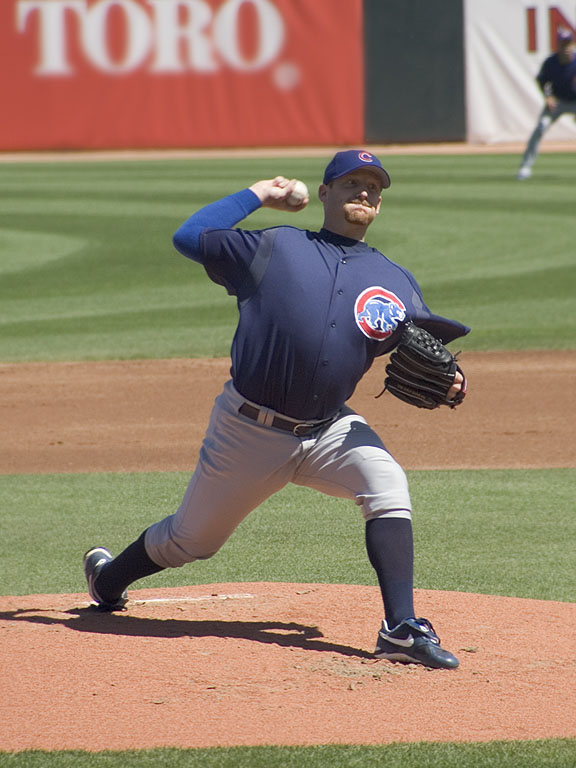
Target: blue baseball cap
351, 160
564, 35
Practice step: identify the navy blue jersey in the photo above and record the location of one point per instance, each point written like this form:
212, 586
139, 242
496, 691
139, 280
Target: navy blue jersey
315, 310
562, 77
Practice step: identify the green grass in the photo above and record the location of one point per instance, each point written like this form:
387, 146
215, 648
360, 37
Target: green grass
558, 753
88, 271
494, 532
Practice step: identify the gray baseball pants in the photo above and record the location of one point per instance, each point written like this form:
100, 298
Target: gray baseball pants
546, 119
242, 463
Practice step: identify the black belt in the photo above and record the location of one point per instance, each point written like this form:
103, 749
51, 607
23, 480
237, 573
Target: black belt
300, 429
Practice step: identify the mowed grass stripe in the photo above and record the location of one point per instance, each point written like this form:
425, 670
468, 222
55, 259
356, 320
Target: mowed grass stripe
88, 270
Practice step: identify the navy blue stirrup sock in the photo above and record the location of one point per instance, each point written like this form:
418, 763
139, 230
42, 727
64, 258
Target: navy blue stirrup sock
390, 550
130, 565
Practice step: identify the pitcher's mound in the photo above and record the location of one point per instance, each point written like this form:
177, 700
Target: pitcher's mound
272, 663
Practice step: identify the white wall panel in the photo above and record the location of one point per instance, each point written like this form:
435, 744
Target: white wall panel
506, 42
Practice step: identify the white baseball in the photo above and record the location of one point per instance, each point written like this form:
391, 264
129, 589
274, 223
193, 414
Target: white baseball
298, 194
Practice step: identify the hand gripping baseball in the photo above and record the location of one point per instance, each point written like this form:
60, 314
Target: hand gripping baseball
282, 193
422, 372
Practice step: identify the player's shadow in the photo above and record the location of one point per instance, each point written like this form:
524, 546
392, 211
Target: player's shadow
284, 634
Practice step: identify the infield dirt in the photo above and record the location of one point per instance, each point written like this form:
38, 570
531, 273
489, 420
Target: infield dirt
150, 415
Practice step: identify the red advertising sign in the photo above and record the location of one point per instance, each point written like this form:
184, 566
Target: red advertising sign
94, 74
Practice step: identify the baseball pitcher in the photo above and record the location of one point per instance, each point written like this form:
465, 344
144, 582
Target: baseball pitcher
315, 308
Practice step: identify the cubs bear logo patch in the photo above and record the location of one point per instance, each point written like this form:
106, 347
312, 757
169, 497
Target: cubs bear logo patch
378, 312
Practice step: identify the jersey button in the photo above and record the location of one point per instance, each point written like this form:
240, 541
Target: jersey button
333, 325
340, 291
344, 261
315, 397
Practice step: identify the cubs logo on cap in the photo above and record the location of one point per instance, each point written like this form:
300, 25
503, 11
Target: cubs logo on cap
350, 160
378, 312
564, 35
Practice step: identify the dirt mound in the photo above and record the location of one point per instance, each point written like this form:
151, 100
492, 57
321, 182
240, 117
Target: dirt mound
241, 664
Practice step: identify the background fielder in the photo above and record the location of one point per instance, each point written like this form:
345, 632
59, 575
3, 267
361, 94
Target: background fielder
315, 310
557, 81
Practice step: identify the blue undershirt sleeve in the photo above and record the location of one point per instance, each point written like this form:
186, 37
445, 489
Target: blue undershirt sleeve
223, 214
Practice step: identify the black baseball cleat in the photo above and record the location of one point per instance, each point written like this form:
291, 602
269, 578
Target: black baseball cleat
93, 561
413, 641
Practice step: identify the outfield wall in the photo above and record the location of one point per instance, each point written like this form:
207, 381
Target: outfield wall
96, 74
414, 71
129, 74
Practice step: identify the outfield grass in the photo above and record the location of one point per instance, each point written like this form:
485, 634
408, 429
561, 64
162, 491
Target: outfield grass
88, 271
495, 532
